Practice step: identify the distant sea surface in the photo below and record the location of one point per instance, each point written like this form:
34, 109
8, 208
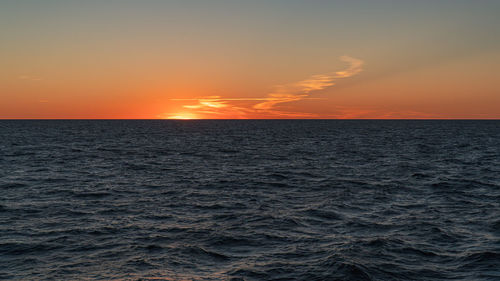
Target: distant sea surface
250, 200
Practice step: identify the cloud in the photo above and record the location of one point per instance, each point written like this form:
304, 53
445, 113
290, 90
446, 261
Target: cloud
216, 105
301, 90
356, 66
343, 112
209, 102
29, 78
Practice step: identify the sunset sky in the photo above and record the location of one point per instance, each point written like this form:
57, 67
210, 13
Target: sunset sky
249, 59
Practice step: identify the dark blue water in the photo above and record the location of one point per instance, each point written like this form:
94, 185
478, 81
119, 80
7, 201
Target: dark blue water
250, 200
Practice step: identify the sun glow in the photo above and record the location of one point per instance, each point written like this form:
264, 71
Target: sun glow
183, 116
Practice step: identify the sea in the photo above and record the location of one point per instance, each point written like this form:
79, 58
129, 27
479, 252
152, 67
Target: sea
249, 200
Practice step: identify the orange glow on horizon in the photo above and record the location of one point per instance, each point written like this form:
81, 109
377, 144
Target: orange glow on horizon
183, 116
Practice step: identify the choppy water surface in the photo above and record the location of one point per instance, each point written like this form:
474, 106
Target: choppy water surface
250, 200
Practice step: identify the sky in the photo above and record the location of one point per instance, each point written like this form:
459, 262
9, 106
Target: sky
259, 59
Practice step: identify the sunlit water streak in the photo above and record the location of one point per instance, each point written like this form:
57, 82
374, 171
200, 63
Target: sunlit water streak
250, 200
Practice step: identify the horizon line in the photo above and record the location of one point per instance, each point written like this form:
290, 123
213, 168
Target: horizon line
212, 119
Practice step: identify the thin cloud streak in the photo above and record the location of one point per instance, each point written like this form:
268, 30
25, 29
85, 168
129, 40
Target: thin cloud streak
301, 90
29, 78
216, 105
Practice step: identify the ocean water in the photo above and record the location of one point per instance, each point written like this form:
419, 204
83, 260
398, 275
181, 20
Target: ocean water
250, 200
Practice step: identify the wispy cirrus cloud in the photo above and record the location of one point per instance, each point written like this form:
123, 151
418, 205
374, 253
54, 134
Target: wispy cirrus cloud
29, 78
266, 106
301, 90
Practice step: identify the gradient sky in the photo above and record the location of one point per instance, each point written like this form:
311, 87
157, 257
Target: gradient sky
249, 59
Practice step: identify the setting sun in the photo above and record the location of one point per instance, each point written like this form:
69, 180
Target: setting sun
183, 116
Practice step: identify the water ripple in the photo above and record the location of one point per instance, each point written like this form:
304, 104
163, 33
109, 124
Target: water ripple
250, 200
